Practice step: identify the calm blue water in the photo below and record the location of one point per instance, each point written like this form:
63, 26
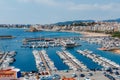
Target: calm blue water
25, 59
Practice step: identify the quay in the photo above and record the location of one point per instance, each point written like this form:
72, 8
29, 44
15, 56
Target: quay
63, 38
43, 62
51, 42
71, 61
6, 36
106, 63
6, 59
106, 43
43, 44
33, 39
2, 59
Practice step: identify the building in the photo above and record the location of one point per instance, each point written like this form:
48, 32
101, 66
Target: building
68, 79
10, 73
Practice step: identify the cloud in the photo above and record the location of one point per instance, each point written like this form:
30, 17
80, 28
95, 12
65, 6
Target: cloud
70, 5
6, 8
104, 7
50, 2
46, 2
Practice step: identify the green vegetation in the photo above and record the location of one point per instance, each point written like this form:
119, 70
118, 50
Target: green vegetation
116, 34
79, 24
84, 24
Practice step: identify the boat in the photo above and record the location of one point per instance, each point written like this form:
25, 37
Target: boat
99, 59
68, 43
12, 53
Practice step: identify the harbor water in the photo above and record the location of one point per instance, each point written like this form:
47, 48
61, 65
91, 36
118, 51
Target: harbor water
25, 59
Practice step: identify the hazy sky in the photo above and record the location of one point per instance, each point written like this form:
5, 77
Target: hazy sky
52, 11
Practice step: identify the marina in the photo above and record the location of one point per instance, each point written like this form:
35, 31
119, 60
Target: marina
67, 61
6, 58
106, 43
28, 64
106, 63
50, 42
71, 61
6, 37
43, 62
42, 44
60, 40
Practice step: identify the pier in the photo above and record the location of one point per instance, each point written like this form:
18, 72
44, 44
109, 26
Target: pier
106, 63
43, 62
50, 42
3, 58
43, 44
6, 37
106, 43
71, 61
26, 40
6, 59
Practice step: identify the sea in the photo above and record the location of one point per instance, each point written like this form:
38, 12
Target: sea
25, 60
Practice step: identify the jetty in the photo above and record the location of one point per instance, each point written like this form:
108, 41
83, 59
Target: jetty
43, 62
106, 63
106, 43
4, 55
6, 58
71, 61
6, 37
49, 42
61, 38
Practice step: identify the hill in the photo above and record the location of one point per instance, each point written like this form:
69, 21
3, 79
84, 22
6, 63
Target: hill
112, 20
71, 22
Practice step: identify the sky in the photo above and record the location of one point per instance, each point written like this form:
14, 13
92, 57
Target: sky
52, 11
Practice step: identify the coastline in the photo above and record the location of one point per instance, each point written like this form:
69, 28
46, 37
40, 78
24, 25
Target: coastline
93, 34
84, 33
117, 51
88, 34
14, 28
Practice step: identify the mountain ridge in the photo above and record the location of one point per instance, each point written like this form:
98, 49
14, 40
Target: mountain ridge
78, 21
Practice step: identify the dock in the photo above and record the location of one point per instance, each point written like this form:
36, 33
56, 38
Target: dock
63, 38
43, 62
49, 42
106, 43
3, 58
106, 63
43, 44
71, 61
6, 59
6, 37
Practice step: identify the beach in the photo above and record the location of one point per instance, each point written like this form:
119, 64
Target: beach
92, 34
116, 51
89, 34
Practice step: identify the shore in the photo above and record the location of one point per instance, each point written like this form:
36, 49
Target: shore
89, 34
92, 34
116, 51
